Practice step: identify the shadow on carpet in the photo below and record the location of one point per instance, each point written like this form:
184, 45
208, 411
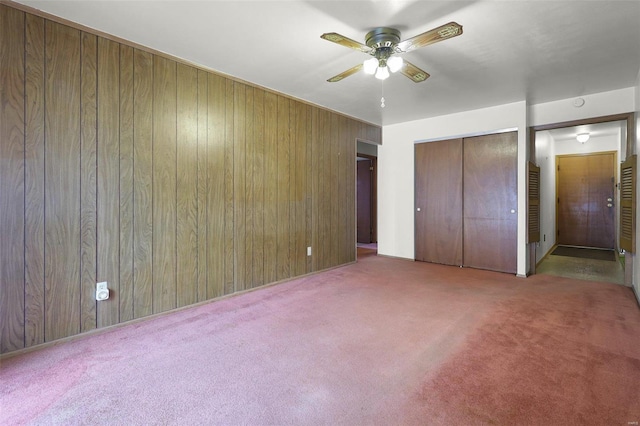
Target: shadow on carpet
585, 253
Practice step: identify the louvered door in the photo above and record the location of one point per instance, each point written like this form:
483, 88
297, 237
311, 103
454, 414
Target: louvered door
628, 204
533, 214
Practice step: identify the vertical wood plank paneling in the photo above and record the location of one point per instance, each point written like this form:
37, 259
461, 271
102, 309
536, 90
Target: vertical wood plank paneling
164, 184
126, 183
324, 172
270, 187
327, 191
216, 179
239, 185
315, 189
350, 165
62, 181
88, 183
284, 182
12, 185
108, 230
187, 186
172, 184
308, 189
343, 189
334, 192
229, 185
374, 134
293, 185
298, 187
34, 180
248, 188
202, 154
142, 184
258, 187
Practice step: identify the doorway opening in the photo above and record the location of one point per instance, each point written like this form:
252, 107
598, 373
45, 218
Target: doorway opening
579, 200
366, 198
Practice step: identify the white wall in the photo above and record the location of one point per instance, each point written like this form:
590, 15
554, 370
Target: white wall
396, 158
396, 170
596, 105
545, 159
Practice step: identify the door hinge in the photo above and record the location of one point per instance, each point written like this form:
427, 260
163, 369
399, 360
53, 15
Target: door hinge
371, 168
558, 168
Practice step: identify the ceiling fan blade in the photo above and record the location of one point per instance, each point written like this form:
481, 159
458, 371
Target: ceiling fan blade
345, 74
346, 42
452, 29
414, 73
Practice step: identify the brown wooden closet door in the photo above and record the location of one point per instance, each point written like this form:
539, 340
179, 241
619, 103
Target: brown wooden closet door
490, 202
585, 186
438, 195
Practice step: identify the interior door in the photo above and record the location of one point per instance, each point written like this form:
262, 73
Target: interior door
585, 203
438, 197
490, 202
364, 187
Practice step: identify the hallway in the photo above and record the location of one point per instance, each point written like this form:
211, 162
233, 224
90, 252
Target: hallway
583, 269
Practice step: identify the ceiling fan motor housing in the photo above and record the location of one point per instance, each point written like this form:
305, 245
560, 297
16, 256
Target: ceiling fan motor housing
382, 37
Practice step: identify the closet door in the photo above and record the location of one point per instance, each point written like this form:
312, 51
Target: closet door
438, 195
490, 202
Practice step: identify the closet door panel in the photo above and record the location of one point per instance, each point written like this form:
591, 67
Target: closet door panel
490, 202
438, 195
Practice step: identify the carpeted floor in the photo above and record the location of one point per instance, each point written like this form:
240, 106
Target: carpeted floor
383, 341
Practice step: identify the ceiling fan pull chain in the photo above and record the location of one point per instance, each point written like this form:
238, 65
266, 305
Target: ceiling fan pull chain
382, 98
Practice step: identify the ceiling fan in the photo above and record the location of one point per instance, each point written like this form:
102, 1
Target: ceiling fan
383, 43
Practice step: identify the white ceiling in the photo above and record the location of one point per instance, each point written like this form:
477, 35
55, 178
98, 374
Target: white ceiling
510, 51
612, 128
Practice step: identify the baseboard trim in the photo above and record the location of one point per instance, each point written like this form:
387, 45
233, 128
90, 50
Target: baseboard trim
396, 257
637, 295
153, 316
547, 254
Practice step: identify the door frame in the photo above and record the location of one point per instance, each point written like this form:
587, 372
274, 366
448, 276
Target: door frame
629, 150
374, 195
616, 198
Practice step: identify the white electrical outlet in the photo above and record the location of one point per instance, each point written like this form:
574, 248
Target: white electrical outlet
308, 251
102, 291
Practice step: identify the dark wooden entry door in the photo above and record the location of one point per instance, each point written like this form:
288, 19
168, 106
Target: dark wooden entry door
491, 202
438, 195
585, 204
364, 187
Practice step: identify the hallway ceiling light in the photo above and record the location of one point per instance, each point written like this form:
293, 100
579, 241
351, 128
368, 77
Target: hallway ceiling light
582, 137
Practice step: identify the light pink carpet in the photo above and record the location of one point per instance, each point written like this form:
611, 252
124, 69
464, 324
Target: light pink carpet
384, 341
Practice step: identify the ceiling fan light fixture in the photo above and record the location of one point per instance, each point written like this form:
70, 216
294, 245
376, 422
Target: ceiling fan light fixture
395, 63
382, 73
582, 137
370, 66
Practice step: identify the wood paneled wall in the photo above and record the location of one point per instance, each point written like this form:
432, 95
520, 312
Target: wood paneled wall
172, 183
